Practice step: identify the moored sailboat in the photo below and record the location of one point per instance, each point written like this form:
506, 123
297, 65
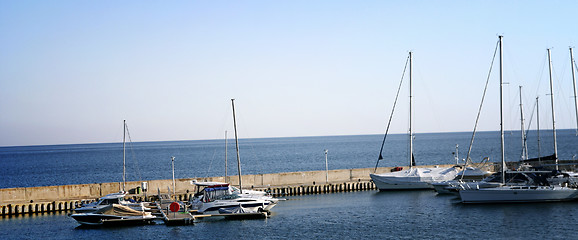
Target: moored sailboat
412, 178
504, 193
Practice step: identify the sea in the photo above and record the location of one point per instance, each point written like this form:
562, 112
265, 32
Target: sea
349, 215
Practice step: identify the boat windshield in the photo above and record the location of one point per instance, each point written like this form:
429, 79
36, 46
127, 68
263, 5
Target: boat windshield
218, 193
108, 201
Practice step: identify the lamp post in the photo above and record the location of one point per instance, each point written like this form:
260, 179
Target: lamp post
326, 169
174, 185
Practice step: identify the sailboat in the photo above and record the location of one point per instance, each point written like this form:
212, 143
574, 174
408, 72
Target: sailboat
572, 64
222, 198
118, 197
541, 192
412, 178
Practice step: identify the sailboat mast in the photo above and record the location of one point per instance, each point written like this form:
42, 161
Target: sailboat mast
123, 156
538, 130
553, 115
226, 174
502, 117
524, 147
237, 146
410, 119
574, 82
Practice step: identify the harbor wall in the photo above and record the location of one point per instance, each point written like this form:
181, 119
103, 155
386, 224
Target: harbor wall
29, 200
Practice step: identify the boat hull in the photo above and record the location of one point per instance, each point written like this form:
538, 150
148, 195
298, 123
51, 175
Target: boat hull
509, 194
412, 179
104, 219
253, 206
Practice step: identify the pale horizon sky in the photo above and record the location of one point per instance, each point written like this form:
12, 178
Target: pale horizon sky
72, 71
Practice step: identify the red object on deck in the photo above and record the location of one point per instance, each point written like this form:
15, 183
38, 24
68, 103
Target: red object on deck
175, 207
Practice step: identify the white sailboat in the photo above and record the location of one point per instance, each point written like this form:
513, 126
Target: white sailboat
515, 193
412, 178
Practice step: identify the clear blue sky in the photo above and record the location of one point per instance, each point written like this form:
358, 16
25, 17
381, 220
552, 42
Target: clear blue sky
72, 71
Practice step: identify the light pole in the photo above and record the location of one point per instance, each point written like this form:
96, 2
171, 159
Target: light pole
173, 164
326, 169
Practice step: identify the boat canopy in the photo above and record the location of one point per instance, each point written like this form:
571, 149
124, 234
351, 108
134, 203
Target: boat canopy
209, 184
119, 210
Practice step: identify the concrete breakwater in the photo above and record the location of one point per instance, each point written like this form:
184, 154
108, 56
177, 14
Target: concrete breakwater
29, 200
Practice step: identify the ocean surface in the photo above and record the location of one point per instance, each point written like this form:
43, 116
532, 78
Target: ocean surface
30, 166
351, 215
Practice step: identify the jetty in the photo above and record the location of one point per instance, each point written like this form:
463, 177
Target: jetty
33, 200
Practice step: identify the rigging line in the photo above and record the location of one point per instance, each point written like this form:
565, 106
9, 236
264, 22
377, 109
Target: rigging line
135, 160
481, 104
540, 76
528, 128
561, 92
391, 115
211, 163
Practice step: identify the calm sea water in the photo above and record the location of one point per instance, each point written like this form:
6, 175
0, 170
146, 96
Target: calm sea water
94, 163
353, 215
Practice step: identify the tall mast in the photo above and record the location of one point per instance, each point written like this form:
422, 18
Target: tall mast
502, 117
553, 115
524, 147
237, 146
574, 82
123, 156
410, 130
226, 174
538, 130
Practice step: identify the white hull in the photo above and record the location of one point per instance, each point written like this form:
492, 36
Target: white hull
416, 178
103, 219
252, 205
506, 194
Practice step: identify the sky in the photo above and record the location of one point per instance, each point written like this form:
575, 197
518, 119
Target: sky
72, 71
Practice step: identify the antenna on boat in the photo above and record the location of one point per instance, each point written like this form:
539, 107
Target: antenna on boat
237, 146
553, 115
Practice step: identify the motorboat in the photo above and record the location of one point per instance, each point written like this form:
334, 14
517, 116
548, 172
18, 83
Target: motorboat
215, 196
113, 198
114, 214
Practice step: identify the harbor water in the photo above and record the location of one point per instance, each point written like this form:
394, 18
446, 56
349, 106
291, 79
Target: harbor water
344, 215
351, 215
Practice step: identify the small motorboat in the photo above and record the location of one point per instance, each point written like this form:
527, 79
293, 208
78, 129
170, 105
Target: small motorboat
214, 196
114, 215
113, 198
